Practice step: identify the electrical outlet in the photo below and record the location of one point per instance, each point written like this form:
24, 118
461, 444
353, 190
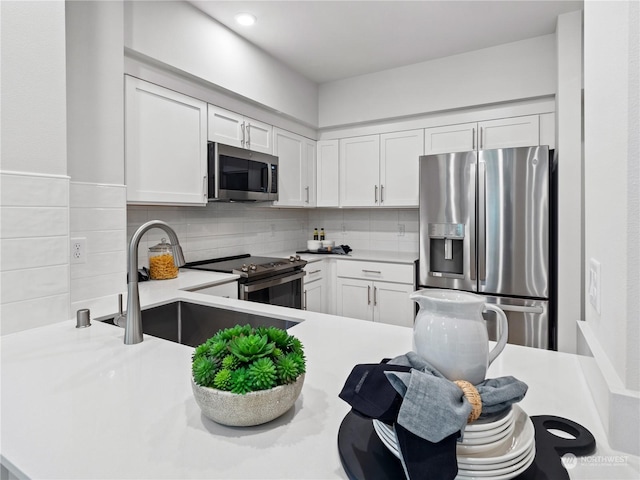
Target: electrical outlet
78, 250
594, 283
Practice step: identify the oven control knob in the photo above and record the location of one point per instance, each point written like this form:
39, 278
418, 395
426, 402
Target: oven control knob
253, 267
297, 258
244, 267
292, 258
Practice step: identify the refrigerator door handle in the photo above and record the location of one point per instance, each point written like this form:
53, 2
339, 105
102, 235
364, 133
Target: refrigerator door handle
482, 218
472, 231
521, 309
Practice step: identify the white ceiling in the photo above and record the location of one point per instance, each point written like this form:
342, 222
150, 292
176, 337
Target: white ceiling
329, 40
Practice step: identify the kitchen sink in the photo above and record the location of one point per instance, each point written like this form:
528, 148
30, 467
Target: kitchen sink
192, 324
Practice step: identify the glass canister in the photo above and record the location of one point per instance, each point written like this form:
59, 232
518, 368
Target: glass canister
161, 265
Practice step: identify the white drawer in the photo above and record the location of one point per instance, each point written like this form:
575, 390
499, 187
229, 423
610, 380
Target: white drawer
315, 271
386, 272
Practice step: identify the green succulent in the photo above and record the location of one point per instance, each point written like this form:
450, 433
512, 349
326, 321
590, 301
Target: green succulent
242, 359
204, 370
248, 348
240, 381
222, 380
263, 374
230, 362
287, 368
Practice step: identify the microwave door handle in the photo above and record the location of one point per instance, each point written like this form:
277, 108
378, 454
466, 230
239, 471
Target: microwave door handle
269, 180
248, 135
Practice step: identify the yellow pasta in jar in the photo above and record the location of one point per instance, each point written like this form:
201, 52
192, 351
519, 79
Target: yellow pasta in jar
161, 267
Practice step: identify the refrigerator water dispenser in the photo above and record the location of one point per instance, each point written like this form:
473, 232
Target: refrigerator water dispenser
446, 242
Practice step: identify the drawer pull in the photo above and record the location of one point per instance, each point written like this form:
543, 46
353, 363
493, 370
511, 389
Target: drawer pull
372, 271
314, 272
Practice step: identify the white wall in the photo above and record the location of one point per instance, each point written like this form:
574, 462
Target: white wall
95, 141
179, 35
612, 180
34, 201
570, 189
515, 71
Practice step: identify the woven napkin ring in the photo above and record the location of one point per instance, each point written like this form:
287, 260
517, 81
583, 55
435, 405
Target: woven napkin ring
473, 397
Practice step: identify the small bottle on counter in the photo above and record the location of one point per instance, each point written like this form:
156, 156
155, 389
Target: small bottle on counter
322, 233
315, 233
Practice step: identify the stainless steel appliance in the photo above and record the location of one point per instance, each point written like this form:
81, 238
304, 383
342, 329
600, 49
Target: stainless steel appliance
276, 281
238, 174
486, 227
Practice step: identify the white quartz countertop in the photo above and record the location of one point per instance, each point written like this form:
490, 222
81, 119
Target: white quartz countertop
358, 255
79, 404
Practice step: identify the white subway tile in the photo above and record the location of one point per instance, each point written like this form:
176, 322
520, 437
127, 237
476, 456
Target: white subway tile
89, 219
18, 316
34, 191
19, 222
97, 286
28, 284
100, 264
88, 195
22, 253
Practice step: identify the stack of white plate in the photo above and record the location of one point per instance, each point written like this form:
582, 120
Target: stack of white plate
499, 448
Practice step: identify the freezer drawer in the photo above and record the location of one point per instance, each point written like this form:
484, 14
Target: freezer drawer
528, 321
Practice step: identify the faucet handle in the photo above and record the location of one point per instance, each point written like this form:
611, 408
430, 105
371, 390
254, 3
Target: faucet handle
121, 319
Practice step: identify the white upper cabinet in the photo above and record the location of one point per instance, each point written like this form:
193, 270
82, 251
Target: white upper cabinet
296, 169
237, 130
510, 132
399, 153
450, 139
502, 133
328, 172
380, 170
359, 171
165, 146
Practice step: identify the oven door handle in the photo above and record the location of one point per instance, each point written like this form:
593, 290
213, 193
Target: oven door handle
248, 288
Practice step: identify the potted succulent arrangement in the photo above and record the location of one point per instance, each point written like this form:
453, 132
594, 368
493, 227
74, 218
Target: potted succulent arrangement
246, 376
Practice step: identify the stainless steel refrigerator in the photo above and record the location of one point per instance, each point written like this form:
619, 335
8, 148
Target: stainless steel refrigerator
486, 226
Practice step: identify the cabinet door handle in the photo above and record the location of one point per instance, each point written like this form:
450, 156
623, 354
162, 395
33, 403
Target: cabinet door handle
372, 271
368, 294
375, 194
204, 186
481, 140
307, 189
381, 193
304, 306
242, 128
375, 295
248, 135
473, 138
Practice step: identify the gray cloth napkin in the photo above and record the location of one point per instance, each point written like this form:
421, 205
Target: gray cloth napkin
434, 407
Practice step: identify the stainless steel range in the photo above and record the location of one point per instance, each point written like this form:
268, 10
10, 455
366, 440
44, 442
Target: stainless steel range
276, 281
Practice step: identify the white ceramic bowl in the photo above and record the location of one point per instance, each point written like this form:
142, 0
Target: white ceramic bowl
253, 408
314, 245
328, 243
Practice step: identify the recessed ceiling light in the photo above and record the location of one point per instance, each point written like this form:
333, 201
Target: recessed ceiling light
245, 19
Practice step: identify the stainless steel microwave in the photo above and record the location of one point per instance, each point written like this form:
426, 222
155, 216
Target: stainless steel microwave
238, 174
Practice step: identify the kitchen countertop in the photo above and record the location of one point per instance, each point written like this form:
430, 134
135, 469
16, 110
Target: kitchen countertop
359, 255
79, 404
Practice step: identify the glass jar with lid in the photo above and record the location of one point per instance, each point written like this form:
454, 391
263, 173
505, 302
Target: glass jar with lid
161, 265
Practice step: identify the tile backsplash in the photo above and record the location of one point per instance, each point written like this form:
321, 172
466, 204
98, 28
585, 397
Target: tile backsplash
224, 229
34, 244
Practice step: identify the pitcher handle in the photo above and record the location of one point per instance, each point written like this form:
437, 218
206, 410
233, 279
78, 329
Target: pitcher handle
504, 329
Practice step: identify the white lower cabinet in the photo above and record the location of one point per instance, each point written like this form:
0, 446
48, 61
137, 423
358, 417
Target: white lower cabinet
315, 288
358, 296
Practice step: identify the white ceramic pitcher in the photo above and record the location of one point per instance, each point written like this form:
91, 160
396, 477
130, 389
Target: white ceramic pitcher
450, 333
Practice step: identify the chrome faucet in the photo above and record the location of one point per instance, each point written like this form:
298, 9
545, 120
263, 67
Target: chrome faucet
133, 325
